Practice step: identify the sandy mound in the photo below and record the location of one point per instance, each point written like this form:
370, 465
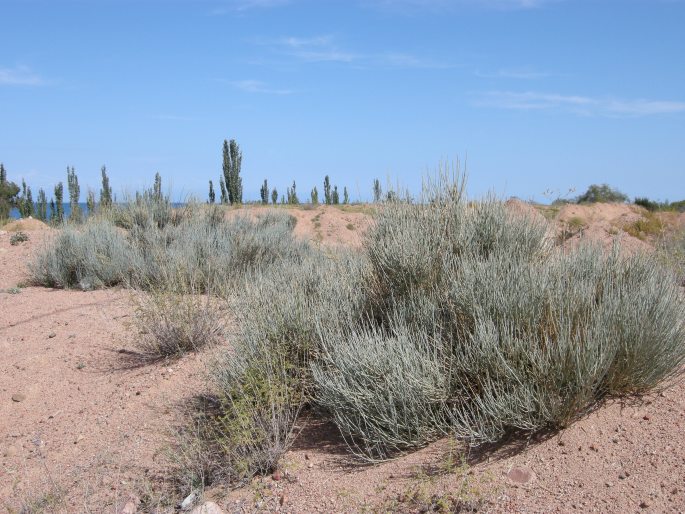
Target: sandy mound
601, 223
25, 225
518, 206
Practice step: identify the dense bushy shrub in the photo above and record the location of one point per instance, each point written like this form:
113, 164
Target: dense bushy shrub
474, 323
601, 193
266, 378
155, 247
92, 256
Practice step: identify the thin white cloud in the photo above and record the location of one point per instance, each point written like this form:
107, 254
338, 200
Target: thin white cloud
581, 105
19, 76
325, 49
257, 86
514, 73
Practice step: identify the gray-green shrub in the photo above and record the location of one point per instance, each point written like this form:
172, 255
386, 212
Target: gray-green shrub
525, 336
152, 248
92, 256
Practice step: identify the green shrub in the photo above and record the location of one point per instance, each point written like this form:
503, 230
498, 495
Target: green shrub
18, 237
473, 323
96, 255
601, 193
150, 243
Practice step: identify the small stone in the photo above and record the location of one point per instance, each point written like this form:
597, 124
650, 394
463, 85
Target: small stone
51, 335
277, 475
306, 456
561, 443
18, 397
674, 490
207, 508
644, 504
608, 484
189, 501
622, 476
520, 475
282, 500
310, 465
593, 447
646, 417
79, 438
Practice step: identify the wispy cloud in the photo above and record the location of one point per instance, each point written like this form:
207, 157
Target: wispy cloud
325, 49
514, 73
581, 105
20, 76
257, 86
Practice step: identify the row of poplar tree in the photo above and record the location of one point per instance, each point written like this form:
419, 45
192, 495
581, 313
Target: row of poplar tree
21, 198
230, 185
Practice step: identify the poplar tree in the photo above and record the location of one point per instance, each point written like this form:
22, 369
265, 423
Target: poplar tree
212, 195
58, 212
42, 205
346, 197
327, 190
315, 196
335, 197
264, 192
232, 162
106, 191
377, 191
74, 194
90, 202
25, 203
274, 196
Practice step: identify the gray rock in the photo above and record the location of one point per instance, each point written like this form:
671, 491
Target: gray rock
207, 508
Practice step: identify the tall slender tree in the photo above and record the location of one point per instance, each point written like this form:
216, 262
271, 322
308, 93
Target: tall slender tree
335, 196
274, 196
264, 192
231, 165
212, 195
377, 191
90, 202
346, 196
315, 196
106, 191
25, 203
42, 205
74, 194
58, 211
292, 195
327, 190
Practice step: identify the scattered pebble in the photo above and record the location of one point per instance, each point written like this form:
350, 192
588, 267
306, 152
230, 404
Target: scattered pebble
51, 335
18, 397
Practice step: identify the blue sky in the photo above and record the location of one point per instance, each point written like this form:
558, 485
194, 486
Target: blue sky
536, 95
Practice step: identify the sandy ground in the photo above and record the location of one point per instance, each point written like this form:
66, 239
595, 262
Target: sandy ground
82, 430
